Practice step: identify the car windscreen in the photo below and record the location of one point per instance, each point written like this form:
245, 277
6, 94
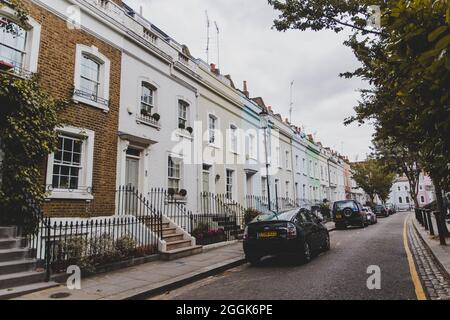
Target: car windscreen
285, 216
341, 205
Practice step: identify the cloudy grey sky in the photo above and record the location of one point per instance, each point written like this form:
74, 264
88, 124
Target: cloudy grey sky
269, 60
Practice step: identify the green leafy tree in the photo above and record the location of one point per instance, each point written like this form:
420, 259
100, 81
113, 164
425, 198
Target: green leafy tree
374, 178
28, 118
406, 61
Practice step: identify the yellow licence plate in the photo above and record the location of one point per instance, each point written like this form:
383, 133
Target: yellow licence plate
267, 234
338, 216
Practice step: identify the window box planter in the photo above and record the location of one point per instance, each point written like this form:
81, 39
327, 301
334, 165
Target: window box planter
190, 130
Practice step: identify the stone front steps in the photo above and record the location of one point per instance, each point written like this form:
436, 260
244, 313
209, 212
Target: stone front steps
18, 271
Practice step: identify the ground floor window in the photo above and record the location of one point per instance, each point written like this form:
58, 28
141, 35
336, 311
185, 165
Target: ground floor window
422, 199
69, 169
67, 163
400, 200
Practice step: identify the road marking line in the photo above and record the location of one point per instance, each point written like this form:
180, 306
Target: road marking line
420, 293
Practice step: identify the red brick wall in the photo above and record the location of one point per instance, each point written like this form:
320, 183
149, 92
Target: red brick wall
56, 73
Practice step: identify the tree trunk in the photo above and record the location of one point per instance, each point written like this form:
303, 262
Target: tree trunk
440, 207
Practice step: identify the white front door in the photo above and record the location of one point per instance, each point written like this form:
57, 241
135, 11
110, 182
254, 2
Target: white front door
249, 185
132, 173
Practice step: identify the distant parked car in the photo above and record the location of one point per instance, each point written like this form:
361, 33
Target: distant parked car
349, 213
295, 232
371, 217
381, 210
391, 209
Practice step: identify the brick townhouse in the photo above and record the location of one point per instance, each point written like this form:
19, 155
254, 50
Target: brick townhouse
76, 65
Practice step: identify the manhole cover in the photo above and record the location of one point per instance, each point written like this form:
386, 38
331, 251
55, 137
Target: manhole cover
60, 295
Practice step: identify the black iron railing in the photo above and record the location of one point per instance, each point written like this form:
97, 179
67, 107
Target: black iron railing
219, 219
90, 96
96, 242
279, 204
173, 207
90, 243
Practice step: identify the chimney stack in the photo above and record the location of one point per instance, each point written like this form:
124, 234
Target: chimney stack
245, 91
270, 109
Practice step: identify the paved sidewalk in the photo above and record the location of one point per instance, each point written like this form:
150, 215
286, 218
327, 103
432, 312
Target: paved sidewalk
432, 261
441, 253
151, 278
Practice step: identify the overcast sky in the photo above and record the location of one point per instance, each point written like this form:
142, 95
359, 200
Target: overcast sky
269, 60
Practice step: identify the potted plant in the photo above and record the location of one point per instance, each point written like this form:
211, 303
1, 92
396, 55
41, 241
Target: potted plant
5, 66
144, 112
190, 130
181, 126
183, 193
156, 117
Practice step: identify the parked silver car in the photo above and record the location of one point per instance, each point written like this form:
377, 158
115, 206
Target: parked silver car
371, 217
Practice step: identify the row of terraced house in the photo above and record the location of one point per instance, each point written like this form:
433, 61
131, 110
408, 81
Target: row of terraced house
149, 120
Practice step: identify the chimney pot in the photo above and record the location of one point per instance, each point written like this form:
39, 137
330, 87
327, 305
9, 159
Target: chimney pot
245, 90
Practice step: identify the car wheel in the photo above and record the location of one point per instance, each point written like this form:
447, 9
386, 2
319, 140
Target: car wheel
362, 224
253, 260
306, 256
327, 245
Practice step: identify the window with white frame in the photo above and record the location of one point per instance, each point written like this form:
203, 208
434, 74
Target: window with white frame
92, 77
229, 184
310, 169
206, 178
12, 43
288, 186
422, 199
278, 156
174, 173
212, 127
69, 168
183, 114
287, 162
19, 44
67, 163
233, 138
147, 99
252, 146
297, 164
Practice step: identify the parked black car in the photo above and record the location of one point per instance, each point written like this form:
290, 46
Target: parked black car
296, 232
349, 213
381, 210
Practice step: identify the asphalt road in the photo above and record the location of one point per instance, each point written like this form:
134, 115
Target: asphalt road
338, 274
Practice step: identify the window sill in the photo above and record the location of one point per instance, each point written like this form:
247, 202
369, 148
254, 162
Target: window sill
214, 146
91, 103
184, 134
67, 195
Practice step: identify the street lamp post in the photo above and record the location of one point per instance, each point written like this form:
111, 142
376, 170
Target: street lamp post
264, 115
